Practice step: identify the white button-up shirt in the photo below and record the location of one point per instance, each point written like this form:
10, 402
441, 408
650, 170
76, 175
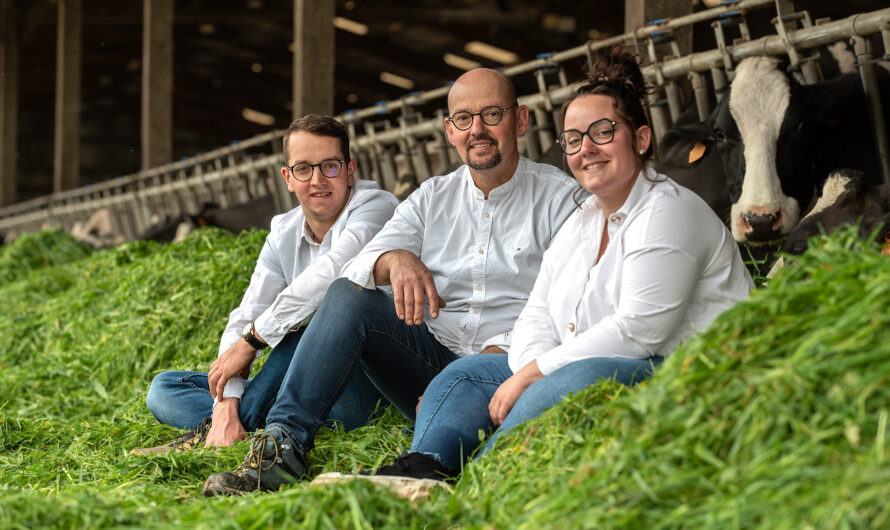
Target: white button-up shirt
670, 267
483, 254
293, 271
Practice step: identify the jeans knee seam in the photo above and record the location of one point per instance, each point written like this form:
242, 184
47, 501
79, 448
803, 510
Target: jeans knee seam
188, 380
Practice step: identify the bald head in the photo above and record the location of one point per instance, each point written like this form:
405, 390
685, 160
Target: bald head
481, 83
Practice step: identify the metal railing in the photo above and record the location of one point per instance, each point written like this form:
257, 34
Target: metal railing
399, 147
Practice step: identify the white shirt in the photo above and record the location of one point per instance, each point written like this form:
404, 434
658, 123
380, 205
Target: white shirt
671, 266
293, 272
483, 254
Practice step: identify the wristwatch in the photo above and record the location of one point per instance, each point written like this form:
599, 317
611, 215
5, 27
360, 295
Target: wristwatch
248, 334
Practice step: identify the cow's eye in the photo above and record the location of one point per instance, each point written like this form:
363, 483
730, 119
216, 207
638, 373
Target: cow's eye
719, 135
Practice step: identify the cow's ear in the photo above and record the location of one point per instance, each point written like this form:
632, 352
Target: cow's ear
698, 150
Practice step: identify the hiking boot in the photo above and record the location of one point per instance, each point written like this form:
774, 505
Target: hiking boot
415, 465
182, 443
272, 462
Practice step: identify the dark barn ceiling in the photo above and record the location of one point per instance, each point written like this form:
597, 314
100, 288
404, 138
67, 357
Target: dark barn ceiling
232, 55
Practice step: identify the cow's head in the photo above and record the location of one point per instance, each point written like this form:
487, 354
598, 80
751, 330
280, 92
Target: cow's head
759, 129
846, 199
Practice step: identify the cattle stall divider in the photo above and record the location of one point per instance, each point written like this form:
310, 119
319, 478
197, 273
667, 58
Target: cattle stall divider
399, 147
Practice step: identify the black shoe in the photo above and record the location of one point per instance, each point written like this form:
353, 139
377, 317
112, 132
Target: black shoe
415, 465
272, 462
182, 443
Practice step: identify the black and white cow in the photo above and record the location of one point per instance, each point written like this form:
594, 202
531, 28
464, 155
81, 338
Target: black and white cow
687, 154
778, 141
845, 200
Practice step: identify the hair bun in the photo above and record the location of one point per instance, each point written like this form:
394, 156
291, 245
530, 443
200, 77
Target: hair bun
618, 68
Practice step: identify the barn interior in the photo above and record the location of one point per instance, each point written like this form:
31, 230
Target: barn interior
95, 91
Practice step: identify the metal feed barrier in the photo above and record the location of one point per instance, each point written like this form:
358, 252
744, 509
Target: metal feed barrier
400, 148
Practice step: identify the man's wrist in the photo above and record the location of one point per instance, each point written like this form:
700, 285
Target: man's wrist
228, 403
253, 338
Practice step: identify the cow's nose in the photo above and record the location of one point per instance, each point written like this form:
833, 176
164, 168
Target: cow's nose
762, 226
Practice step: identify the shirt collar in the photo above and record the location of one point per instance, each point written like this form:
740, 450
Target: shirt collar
504, 189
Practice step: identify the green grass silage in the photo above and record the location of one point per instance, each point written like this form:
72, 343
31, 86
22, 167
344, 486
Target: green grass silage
775, 417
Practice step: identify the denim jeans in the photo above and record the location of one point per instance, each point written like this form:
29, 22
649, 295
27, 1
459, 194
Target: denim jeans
354, 331
182, 399
455, 405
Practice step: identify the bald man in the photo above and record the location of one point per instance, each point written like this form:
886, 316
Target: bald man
460, 256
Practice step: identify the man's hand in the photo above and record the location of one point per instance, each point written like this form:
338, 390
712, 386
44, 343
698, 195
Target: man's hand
412, 284
508, 393
225, 427
235, 360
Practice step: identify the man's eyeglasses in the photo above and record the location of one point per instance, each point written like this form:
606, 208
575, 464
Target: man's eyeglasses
492, 115
329, 168
600, 132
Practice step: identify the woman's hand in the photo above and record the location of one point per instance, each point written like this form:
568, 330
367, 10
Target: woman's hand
508, 393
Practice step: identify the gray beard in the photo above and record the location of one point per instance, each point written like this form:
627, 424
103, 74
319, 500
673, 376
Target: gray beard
490, 163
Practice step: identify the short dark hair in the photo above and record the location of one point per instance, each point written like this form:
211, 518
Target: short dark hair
321, 126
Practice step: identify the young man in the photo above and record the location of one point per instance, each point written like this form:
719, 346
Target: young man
461, 254
303, 254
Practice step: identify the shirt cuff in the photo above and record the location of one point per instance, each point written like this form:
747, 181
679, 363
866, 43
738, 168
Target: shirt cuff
234, 388
361, 269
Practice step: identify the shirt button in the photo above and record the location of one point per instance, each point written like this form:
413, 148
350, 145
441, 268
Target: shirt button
481, 251
487, 215
478, 287
463, 344
615, 218
572, 327
474, 311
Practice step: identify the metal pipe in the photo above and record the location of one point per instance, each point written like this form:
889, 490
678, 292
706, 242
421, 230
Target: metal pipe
875, 106
700, 90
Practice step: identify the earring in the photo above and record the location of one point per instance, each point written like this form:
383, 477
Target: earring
642, 151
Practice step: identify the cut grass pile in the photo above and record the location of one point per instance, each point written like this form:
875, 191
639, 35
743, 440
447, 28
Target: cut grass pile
775, 417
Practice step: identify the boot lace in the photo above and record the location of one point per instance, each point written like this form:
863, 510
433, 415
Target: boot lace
255, 458
191, 438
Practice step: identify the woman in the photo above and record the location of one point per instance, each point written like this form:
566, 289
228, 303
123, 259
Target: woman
642, 264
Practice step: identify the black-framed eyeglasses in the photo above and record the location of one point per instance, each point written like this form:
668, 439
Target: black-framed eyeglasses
329, 168
491, 115
600, 132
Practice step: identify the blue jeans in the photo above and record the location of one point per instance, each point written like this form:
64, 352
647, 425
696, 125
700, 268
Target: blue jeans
455, 405
182, 399
354, 331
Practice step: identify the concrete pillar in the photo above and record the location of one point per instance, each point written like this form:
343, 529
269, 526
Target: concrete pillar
313, 57
638, 13
9, 92
66, 159
157, 83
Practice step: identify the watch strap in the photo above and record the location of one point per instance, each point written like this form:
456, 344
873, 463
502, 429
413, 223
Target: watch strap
251, 339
